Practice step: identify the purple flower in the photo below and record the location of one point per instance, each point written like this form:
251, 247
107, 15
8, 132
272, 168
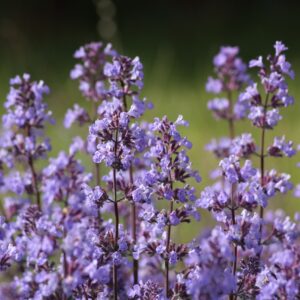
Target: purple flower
234, 172
231, 75
256, 62
173, 258
279, 48
90, 70
220, 107
264, 120
280, 147
251, 94
214, 85
220, 148
7, 254
124, 74
207, 264
243, 146
116, 141
230, 70
24, 103
77, 114
174, 220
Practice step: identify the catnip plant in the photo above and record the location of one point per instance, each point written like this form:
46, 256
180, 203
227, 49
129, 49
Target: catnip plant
107, 230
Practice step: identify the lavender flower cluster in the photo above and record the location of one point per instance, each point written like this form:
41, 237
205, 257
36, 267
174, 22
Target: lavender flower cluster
108, 230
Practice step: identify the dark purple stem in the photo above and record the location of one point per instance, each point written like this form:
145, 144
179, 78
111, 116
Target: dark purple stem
133, 208
232, 136
116, 211
34, 174
262, 162
167, 266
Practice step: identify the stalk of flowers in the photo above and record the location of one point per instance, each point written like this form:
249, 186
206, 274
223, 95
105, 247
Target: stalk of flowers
101, 80
166, 180
264, 110
85, 268
93, 85
23, 140
118, 142
236, 219
126, 81
119, 79
265, 115
92, 80
232, 76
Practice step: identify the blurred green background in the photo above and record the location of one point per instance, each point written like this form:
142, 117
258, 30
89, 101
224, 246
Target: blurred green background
176, 41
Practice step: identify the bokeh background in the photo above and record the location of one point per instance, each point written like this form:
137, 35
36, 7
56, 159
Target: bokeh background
176, 41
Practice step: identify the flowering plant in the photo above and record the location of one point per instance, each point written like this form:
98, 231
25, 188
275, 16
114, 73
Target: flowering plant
108, 231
